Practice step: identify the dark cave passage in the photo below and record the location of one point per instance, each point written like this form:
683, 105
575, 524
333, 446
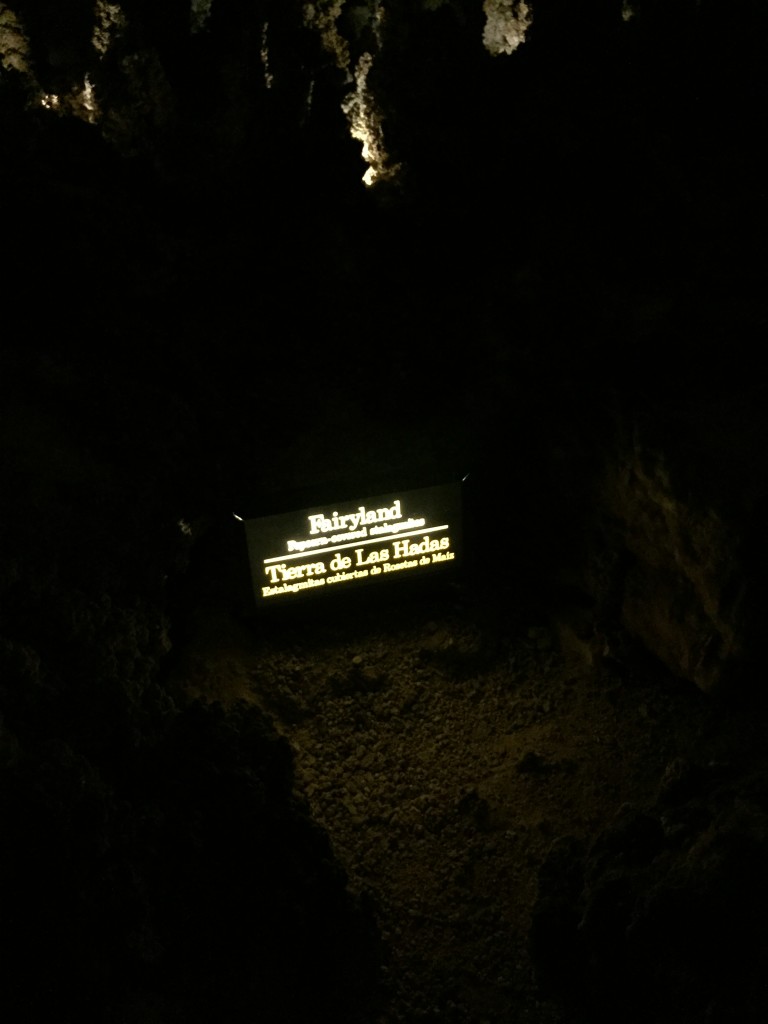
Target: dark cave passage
530, 790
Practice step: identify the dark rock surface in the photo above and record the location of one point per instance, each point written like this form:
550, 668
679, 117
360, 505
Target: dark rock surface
662, 916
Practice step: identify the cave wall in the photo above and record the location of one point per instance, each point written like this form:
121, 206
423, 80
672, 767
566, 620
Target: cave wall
682, 580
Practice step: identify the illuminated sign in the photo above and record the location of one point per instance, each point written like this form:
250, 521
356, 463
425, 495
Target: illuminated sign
399, 535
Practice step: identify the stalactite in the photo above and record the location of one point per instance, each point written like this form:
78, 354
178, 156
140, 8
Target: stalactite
507, 22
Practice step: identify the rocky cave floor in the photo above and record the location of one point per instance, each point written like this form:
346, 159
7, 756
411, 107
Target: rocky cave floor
448, 744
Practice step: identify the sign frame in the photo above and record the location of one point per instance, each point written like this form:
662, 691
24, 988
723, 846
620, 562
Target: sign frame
342, 547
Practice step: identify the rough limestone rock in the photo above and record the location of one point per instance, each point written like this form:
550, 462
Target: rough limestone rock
661, 918
681, 587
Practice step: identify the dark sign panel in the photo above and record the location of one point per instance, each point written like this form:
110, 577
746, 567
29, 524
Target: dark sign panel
399, 535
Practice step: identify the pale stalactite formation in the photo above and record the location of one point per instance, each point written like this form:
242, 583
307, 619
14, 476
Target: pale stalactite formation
365, 125
14, 46
200, 12
507, 22
80, 102
359, 106
363, 115
269, 78
110, 21
322, 17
